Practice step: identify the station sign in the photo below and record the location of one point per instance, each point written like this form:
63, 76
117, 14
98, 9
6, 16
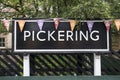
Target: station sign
62, 36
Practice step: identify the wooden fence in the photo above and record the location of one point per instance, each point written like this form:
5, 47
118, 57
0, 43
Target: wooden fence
58, 64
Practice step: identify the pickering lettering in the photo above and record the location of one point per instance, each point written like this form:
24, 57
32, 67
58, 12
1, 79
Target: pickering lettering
62, 35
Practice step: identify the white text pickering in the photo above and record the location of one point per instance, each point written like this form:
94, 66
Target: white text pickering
62, 35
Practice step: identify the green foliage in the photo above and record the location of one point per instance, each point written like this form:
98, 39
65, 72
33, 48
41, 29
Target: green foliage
82, 9
91, 9
2, 28
63, 8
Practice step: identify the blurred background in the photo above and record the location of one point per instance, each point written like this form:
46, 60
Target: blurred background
60, 64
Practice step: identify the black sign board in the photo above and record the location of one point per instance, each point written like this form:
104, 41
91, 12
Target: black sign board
61, 40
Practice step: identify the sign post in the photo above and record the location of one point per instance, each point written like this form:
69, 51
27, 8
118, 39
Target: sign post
45, 36
26, 65
97, 64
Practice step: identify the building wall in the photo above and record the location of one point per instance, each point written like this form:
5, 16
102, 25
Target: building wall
8, 40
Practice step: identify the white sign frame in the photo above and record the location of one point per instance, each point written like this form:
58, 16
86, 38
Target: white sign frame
56, 50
